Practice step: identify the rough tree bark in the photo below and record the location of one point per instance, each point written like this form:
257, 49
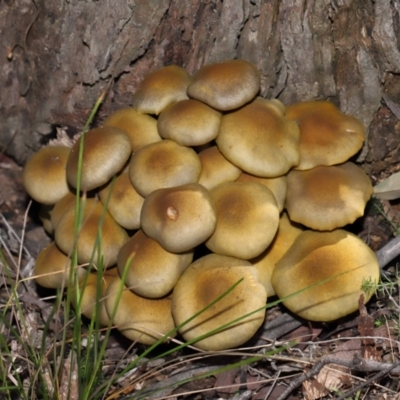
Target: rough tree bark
58, 56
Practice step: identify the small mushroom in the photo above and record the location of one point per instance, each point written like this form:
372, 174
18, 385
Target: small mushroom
226, 85
202, 283
179, 218
329, 269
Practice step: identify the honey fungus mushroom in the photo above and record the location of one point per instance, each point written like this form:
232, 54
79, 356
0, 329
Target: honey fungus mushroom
202, 283
332, 266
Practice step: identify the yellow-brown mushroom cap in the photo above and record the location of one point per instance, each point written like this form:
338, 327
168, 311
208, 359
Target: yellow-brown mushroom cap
247, 219
179, 218
339, 261
152, 270
105, 152
44, 174
189, 123
163, 164
259, 139
226, 85
325, 198
327, 136
161, 88
202, 283
139, 319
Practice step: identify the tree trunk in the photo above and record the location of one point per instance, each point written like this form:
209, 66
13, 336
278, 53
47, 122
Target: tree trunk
58, 56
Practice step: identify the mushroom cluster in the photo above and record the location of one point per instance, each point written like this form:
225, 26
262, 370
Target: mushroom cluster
203, 191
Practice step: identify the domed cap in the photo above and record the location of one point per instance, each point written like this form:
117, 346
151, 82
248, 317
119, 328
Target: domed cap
163, 164
226, 85
259, 139
94, 218
44, 174
325, 198
327, 136
161, 88
202, 283
137, 318
52, 268
123, 202
339, 257
105, 152
141, 128
179, 218
189, 123
247, 219
216, 169
152, 270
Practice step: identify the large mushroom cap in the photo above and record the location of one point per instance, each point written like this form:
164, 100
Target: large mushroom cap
44, 174
327, 136
226, 85
152, 270
161, 88
202, 283
179, 218
259, 139
189, 123
141, 128
247, 219
325, 198
105, 152
139, 319
163, 164
339, 257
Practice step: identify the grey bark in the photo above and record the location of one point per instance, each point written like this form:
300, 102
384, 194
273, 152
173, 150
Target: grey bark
58, 56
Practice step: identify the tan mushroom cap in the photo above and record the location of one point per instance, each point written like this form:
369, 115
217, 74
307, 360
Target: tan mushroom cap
259, 139
202, 283
52, 268
161, 88
152, 270
179, 218
163, 164
45, 217
189, 123
65, 203
226, 85
247, 219
138, 318
327, 136
141, 128
216, 169
95, 221
123, 202
92, 295
266, 261
44, 174
105, 152
325, 198
278, 186
339, 257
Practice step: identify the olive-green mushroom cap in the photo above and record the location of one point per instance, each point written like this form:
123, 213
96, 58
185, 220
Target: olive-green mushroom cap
202, 283
152, 270
247, 219
189, 123
138, 318
179, 218
162, 165
339, 261
327, 197
141, 128
105, 153
226, 85
44, 174
327, 136
161, 88
259, 139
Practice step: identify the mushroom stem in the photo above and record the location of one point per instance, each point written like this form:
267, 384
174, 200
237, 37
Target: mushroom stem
388, 252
